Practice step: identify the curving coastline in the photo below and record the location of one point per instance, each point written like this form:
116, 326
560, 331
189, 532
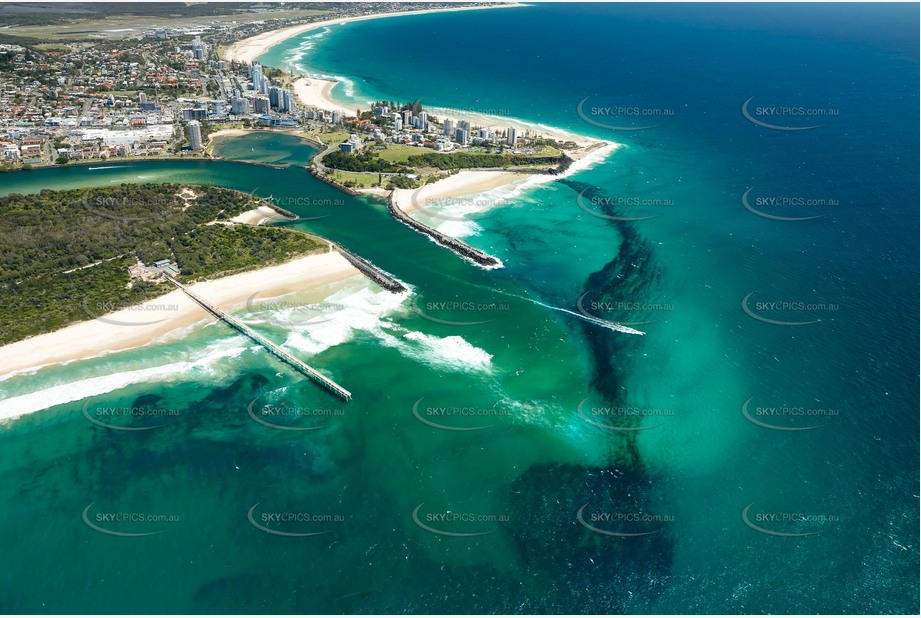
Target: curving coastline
171, 311
317, 92
248, 49
158, 318
151, 321
313, 91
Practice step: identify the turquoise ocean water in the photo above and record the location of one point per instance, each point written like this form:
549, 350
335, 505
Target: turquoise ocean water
601, 472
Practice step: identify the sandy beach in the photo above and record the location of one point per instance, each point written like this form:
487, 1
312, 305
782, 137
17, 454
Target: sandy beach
240, 132
376, 191
249, 49
143, 324
257, 216
461, 184
317, 92
140, 325
229, 133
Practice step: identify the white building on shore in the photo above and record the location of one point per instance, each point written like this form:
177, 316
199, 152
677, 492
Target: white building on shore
195, 135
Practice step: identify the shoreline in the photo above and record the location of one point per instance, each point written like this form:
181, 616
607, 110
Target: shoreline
156, 318
463, 189
247, 50
313, 91
458, 247
317, 92
238, 132
467, 183
457, 186
146, 323
257, 216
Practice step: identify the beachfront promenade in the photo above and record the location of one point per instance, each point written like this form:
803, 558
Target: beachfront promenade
276, 351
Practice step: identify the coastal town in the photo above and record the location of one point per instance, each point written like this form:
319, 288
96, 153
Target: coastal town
161, 92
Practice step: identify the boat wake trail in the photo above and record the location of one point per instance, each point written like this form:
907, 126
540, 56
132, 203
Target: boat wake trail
587, 318
591, 320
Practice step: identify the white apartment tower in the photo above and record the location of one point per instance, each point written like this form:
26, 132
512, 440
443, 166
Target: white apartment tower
195, 135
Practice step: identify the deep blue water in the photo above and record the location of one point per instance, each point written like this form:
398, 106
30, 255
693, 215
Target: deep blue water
853, 70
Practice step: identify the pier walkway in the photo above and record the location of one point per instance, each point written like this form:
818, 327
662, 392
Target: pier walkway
276, 351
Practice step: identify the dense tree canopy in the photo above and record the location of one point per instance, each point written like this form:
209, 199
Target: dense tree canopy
64, 255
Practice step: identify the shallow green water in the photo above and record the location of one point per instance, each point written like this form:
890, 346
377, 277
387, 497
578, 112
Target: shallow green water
264, 147
518, 377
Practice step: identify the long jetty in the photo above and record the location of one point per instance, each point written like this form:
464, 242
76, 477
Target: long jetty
459, 247
276, 351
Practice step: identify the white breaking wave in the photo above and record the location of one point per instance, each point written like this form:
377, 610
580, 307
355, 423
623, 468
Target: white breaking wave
302, 51
590, 160
362, 310
453, 219
453, 353
347, 84
69, 392
365, 311
587, 162
458, 229
298, 60
349, 311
